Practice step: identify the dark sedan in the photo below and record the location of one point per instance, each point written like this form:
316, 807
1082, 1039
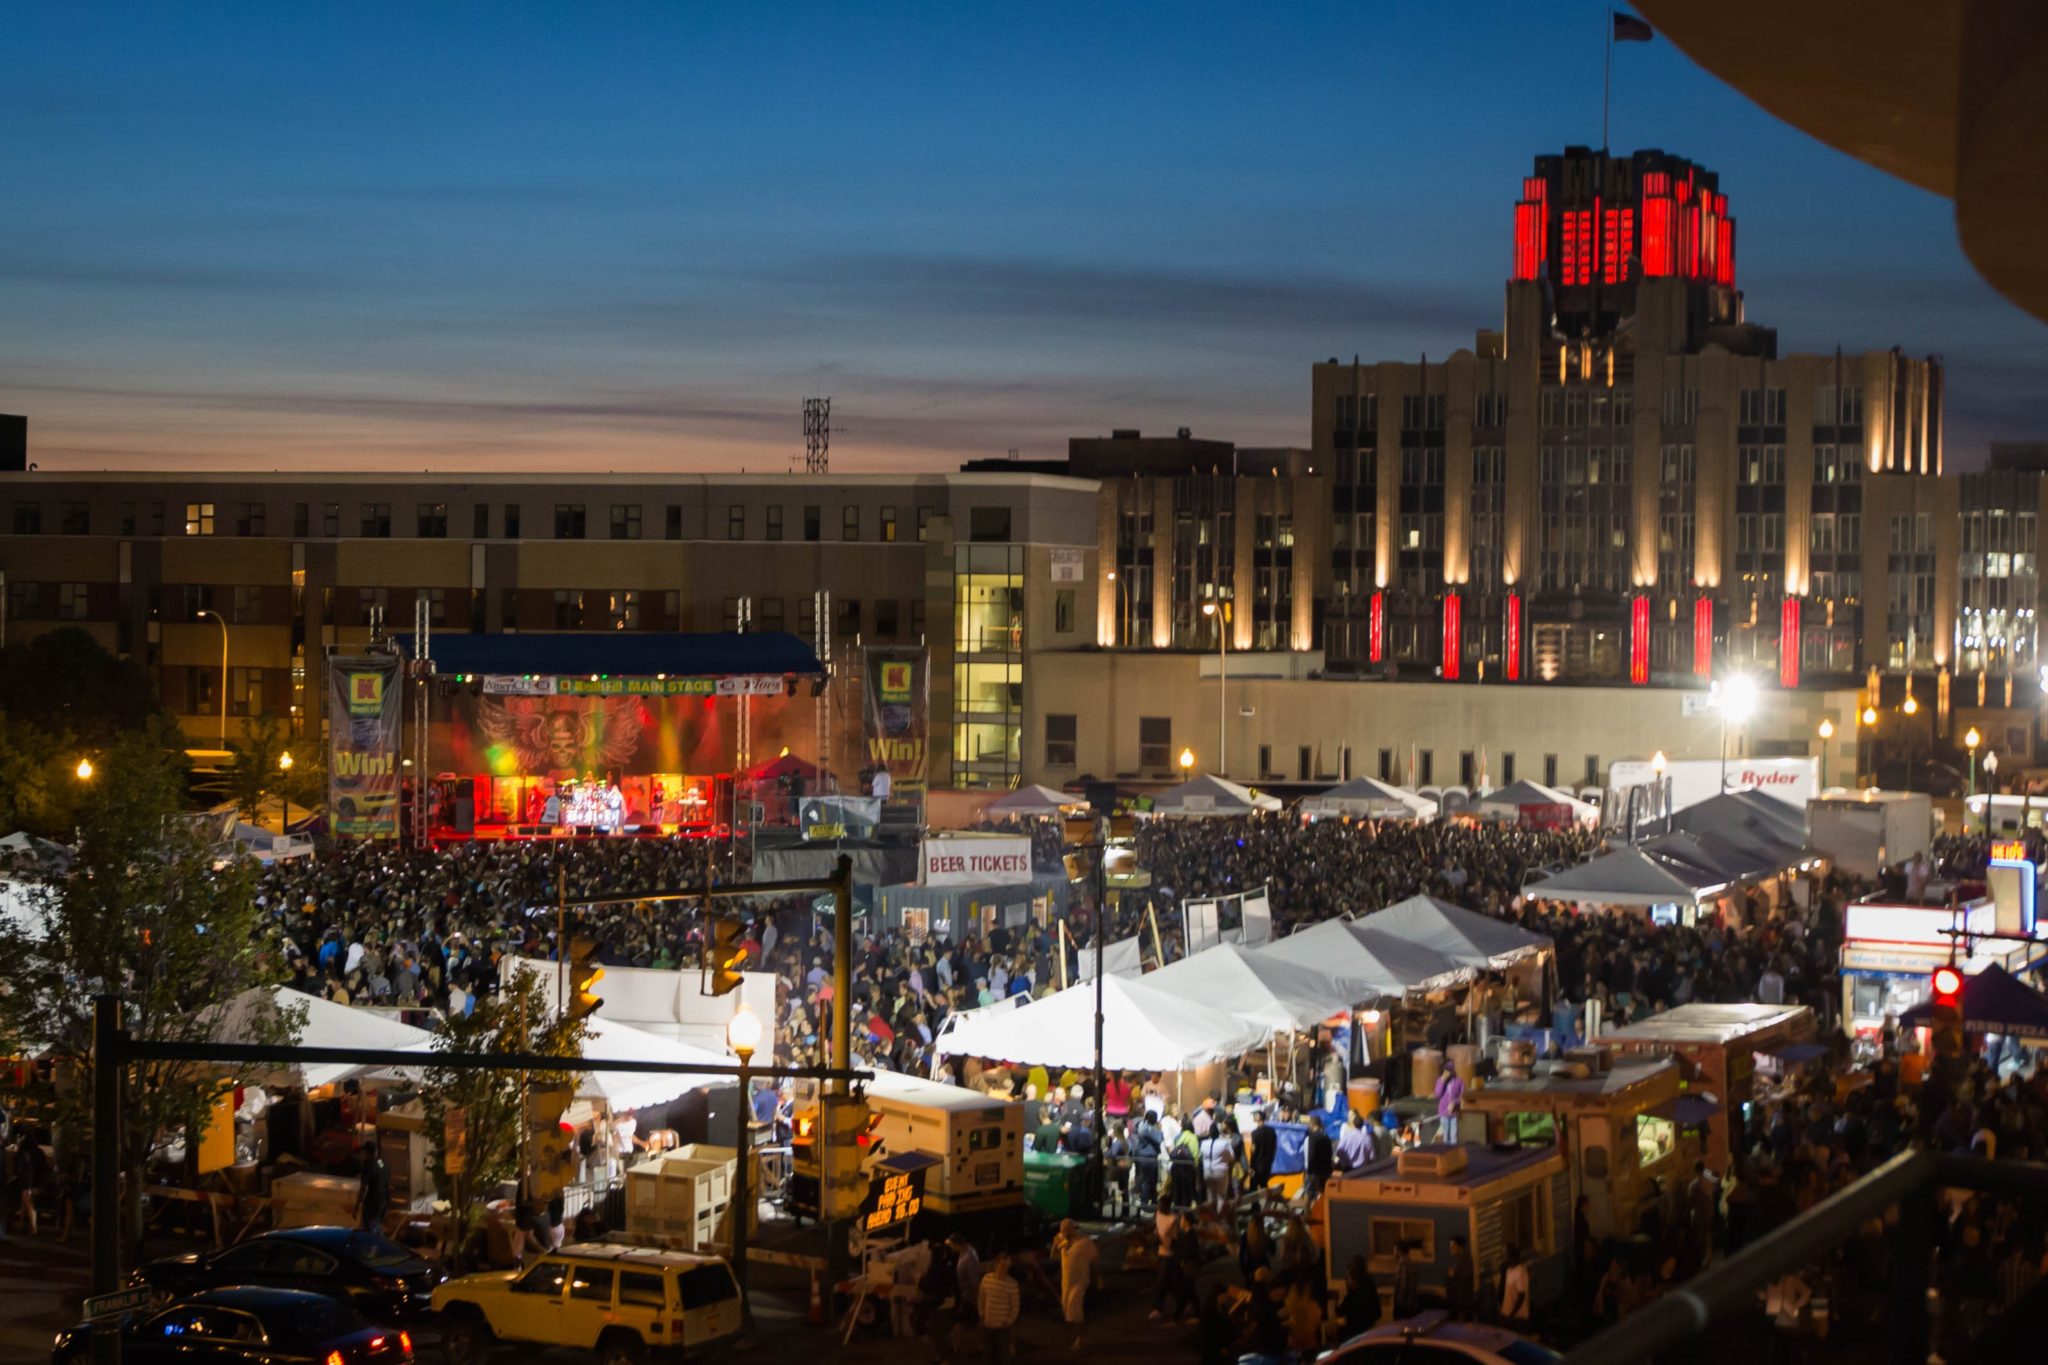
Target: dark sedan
384, 1281
245, 1326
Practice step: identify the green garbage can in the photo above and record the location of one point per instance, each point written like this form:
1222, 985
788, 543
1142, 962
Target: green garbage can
1055, 1182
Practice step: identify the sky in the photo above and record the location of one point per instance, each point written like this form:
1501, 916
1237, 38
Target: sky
497, 236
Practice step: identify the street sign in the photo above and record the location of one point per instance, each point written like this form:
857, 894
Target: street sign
101, 1306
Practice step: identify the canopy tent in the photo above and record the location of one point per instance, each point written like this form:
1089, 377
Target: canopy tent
1994, 1001
267, 848
1207, 796
1749, 820
1535, 803
254, 1015
1629, 876
1371, 798
21, 847
1246, 983
1712, 857
664, 1002
1144, 1029
1462, 936
624, 1090
784, 765
1368, 963
1033, 800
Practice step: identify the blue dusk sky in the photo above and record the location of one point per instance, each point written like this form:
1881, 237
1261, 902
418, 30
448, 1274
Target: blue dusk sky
493, 236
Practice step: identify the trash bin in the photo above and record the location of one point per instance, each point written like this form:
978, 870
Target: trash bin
1055, 1181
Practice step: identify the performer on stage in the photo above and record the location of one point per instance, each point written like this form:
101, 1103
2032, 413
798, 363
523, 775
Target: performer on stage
614, 812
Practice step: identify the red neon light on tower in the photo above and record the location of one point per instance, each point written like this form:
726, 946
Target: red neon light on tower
1657, 254
1454, 634
1514, 637
1376, 627
1703, 637
1724, 256
1788, 642
1528, 233
1639, 640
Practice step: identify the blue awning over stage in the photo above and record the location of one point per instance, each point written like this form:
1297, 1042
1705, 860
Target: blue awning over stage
627, 654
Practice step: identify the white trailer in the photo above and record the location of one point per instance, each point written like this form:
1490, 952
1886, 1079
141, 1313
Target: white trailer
1862, 832
978, 1139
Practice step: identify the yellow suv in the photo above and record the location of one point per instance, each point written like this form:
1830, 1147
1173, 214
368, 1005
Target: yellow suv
626, 1304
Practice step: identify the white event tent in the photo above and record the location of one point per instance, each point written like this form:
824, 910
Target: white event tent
1209, 796
1144, 1029
1370, 798
248, 1018
1463, 936
1630, 876
1033, 800
1247, 983
1370, 965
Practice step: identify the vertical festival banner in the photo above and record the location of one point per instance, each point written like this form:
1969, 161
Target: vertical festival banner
896, 706
363, 696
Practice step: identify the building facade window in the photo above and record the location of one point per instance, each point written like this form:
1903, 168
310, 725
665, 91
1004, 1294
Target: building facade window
569, 519
672, 521
1155, 742
511, 521
1060, 741
773, 529
198, 519
625, 521
814, 523
736, 522
431, 520
376, 520
849, 523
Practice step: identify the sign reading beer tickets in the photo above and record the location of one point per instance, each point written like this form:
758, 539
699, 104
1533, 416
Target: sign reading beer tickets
364, 698
896, 714
977, 860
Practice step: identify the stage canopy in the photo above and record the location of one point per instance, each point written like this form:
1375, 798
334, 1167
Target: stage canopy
1994, 1001
627, 654
1034, 800
1207, 796
1630, 876
1371, 798
1369, 964
1144, 1029
1249, 984
1463, 936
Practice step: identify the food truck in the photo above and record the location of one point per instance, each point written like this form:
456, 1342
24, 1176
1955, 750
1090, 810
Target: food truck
1620, 1121
979, 1140
1890, 950
1717, 1048
1415, 1202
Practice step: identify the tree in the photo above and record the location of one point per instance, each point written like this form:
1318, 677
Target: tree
475, 1117
143, 914
65, 682
257, 775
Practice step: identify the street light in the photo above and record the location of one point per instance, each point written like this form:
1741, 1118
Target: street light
742, 1035
284, 763
1738, 701
223, 672
1870, 715
1990, 786
1187, 762
1971, 739
1118, 638
1827, 732
1912, 705
84, 770
1222, 685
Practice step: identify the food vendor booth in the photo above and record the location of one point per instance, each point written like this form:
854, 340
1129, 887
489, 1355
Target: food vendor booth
1412, 1204
1890, 951
1619, 1121
1531, 805
601, 734
1717, 1048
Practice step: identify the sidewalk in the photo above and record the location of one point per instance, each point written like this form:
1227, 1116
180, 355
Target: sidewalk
41, 1285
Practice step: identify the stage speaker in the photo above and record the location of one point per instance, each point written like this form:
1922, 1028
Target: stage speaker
465, 813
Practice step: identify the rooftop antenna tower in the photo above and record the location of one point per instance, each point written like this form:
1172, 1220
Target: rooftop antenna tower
817, 436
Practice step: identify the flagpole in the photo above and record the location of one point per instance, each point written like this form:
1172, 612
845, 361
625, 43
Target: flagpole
1607, 81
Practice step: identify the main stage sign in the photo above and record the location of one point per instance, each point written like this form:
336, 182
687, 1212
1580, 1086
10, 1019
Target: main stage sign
362, 746
749, 685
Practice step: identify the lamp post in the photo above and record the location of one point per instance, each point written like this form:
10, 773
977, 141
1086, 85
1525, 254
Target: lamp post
742, 1035
1222, 685
223, 622
1738, 699
84, 770
284, 764
1971, 739
1187, 763
1657, 765
1990, 787
1867, 731
1827, 732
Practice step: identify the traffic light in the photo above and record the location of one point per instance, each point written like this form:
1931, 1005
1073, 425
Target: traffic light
805, 1167
843, 1183
584, 974
1948, 988
727, 958
549, 1155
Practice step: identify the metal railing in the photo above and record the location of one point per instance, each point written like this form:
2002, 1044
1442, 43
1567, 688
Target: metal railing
1912, 1181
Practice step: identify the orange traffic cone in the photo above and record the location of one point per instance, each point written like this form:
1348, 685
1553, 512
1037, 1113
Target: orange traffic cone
817, 1313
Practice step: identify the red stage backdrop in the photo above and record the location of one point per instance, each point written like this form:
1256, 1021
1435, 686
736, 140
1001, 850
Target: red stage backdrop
574, 736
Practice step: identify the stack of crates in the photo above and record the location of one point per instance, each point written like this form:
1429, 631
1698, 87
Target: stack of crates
681, 1199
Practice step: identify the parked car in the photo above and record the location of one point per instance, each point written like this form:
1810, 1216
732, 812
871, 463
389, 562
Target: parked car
1433, 1339
622, 1303
243, 1325
384, 1281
